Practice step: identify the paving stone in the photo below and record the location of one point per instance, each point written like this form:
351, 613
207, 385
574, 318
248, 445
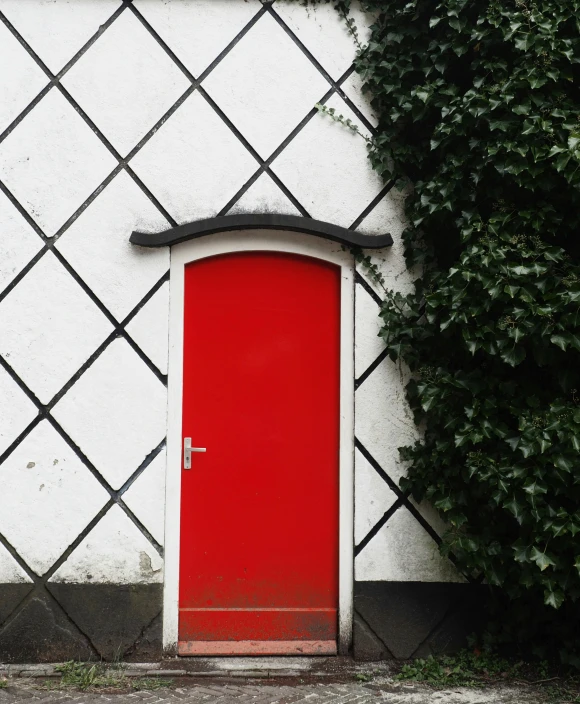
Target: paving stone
293, 692
168, 673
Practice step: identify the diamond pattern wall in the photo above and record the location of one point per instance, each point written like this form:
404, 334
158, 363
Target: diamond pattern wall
9, 568
56, 31
194, 164
115, 412
56, 501
146, 497
150, 327
14, 228
49, 327
264, 196
326, 167
391, 544
20, 85
114, 546
125, 82
328, 41
141, 114
242, 85
16, 411
198, 31
97, 247
53, 161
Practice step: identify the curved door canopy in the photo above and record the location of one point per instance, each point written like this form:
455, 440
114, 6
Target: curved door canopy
290, 223
260, 507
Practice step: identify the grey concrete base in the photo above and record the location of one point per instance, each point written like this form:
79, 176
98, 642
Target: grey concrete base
401, 620
81, 622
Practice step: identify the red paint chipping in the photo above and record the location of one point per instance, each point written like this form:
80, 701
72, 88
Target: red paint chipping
259, 511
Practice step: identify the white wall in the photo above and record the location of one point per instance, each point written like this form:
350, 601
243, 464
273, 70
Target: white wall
127, 140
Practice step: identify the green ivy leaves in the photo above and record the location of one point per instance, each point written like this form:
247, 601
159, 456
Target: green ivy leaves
479, 104
479, 108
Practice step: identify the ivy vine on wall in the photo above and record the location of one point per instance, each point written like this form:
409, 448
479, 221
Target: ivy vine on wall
479, 108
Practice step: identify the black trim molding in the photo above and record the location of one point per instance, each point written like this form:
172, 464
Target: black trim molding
227, 223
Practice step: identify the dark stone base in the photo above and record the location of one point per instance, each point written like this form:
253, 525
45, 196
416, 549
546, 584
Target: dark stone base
39, 631
10, 596
108, 622
415, 619
81, 622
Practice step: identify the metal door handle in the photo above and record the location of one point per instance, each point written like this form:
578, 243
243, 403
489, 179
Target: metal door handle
187, 450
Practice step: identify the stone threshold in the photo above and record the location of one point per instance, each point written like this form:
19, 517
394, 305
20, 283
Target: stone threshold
261, 667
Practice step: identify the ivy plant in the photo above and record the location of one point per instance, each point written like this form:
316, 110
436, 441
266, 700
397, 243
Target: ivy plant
479, 109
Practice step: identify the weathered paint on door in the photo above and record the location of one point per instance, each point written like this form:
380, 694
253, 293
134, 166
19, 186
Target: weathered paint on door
259, 509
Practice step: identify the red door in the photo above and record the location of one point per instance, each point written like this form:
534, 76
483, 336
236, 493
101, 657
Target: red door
259, 509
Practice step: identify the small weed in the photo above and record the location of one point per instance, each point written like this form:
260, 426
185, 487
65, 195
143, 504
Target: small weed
562, 694
363, 677
150, 683
467, 669
86, 676
435, 672
543, 669
3, 682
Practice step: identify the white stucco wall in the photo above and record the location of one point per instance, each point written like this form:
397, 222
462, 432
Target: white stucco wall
129, 140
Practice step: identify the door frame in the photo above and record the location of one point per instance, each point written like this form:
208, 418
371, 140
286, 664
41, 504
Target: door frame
272, 241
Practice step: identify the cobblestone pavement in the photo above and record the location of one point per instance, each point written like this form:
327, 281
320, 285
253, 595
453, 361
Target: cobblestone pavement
289, 691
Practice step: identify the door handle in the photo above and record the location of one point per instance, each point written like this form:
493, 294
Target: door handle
187, 450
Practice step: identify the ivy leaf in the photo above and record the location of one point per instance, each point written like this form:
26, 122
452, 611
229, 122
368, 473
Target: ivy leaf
521, 554
514, 356
444, 504
523, 43
554, 598
534, 488
523, 108
564, 463
542, 560
517, 509
560, 340
556, 149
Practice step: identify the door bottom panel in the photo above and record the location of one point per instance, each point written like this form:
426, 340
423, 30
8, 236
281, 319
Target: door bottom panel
257, 624
257, 647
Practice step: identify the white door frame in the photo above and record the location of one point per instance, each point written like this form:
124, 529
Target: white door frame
272, 241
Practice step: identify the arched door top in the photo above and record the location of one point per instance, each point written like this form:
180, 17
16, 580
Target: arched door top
228, 223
